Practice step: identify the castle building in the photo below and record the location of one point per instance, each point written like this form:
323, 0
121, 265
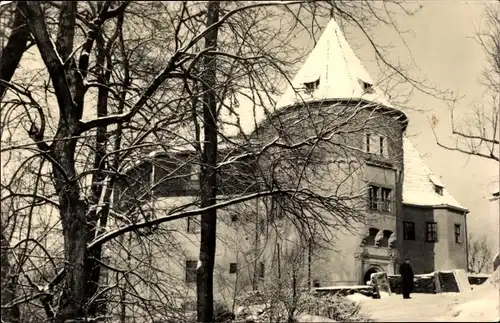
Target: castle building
409, 211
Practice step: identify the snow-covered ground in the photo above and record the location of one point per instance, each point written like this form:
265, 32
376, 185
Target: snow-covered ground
478, 305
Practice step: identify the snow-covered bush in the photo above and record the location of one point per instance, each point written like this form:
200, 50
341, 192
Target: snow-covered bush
265, 307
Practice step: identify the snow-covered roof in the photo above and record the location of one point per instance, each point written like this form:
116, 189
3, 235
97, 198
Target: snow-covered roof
419, 182
339, 71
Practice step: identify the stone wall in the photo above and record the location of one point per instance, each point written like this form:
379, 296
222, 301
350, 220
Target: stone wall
422, 284
366, 290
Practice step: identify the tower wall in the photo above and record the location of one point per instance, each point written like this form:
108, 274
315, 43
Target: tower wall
347, 259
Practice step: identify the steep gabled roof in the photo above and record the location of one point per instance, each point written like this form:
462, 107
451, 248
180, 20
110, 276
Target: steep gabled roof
419, 182
336, 71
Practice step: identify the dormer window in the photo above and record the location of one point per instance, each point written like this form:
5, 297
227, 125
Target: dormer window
438, 185
311, 86
367, 87
495, 195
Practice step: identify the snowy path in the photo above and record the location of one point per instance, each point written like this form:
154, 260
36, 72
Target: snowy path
420, 308
482, 304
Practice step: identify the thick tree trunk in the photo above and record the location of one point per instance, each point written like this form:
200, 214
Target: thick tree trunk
208, 178
11, 55
72, 210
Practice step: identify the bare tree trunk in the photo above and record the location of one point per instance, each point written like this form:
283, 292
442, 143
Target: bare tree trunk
11, 55
208, 179
8, 283
75, 230
98, 220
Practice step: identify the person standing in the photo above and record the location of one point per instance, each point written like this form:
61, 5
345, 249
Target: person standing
406, 273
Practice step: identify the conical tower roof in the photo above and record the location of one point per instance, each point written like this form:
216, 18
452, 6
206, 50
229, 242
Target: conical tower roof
334, 72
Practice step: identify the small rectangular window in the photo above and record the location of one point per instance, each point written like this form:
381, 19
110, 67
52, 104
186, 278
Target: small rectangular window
457, 234
233, 268
385, 199
261, 270
432, 232
191, 271
234, 217
373, 197
409, 230
367, 143
381, 147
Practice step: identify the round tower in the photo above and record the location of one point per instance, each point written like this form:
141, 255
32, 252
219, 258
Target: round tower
333, 98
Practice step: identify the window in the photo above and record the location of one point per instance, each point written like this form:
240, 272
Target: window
431, 232
438, 185
234, 217
191, 271
457, 233
311, 86
375, 144
172, 176
373, 196
385, 199
409, 230
261, 270
438, 190
233, 268
380, 198
193, 226
367, 87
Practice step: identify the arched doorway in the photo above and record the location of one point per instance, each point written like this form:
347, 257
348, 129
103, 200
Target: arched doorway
369, 272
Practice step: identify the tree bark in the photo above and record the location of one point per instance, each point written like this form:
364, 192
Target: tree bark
8, 283
11, 55
92, 266
72, 210
208, 179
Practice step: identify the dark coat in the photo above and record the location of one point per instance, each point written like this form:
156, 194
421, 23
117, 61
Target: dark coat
406, 273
